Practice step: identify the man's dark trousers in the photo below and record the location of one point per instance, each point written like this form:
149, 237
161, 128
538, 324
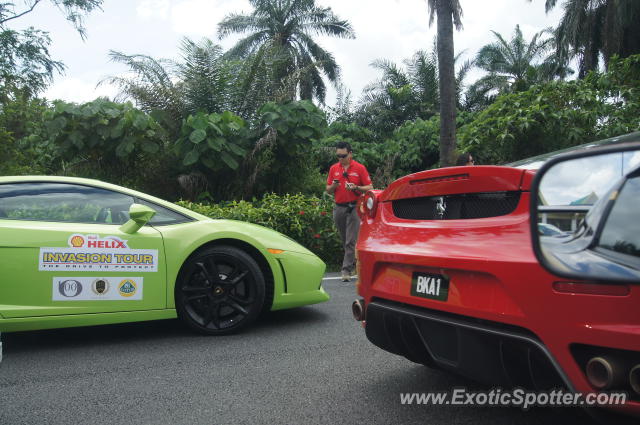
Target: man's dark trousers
347, 221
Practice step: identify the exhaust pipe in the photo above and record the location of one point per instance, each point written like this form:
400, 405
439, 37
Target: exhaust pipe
357, 308
605, 373
634, 378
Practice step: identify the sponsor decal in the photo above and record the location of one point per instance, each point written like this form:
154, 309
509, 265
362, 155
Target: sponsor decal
69, 288
95, 241
76, 241
95, 253
144, 260
73, 288
100, 286
127, 288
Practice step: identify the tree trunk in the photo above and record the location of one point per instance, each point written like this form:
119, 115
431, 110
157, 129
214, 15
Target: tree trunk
447, 83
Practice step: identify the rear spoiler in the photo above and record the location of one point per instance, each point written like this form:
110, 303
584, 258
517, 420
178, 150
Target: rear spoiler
458, 180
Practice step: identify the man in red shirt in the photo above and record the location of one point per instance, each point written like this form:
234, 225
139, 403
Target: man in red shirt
347, 180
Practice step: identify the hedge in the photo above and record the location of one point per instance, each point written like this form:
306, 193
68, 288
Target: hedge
307, 219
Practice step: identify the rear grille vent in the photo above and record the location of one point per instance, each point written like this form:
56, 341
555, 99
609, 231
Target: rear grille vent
452, 207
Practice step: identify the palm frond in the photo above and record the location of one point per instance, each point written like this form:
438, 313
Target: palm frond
247, 45
236, 23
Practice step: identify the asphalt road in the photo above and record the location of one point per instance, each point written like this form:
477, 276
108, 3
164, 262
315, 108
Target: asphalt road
304, 366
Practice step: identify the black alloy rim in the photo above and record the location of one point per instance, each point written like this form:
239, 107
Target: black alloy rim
219, 292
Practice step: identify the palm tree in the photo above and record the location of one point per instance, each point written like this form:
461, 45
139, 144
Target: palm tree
202, 81
590, 28
390, 100
449, 13
282, 59
405, 94
422, 70
516, 64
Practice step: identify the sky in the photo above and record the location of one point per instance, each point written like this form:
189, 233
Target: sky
574, 179
385, 29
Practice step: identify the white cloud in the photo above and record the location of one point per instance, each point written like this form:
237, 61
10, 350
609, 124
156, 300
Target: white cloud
153, 9
78, 90
200, 18
574, 179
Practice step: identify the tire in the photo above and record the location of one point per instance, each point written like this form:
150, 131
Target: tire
220, 290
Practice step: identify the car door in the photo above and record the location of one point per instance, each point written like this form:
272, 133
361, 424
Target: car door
62, 252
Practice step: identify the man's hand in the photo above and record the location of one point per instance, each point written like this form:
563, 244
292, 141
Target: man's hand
351, 186
331, 188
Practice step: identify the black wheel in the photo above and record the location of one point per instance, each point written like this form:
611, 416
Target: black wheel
220, 290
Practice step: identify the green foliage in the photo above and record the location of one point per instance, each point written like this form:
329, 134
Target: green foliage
350, 132
324, 153
25, 63
101, 131
515, 65
402, 95
213, 141
595, 29
106, 140
280, 56
418, 147
295, 122
279, 161
557, 115
307, 219
412, 147
202, 81
21, 122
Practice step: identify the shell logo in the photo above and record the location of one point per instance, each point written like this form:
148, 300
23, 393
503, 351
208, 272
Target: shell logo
77, 241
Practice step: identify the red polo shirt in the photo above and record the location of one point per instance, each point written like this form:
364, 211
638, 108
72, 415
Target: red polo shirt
358, 175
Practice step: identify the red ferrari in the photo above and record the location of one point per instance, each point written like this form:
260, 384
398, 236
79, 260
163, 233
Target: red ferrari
456, 273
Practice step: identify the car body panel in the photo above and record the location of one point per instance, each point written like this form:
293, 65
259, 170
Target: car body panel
304, 270
28, 292
75, 320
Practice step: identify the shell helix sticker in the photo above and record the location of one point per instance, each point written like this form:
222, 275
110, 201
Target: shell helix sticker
95, 253
97, 289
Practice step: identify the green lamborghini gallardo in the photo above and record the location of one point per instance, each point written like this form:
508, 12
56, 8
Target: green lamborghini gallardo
78, 252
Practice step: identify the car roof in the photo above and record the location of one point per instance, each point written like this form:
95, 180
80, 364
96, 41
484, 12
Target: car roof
104, 185
536, 162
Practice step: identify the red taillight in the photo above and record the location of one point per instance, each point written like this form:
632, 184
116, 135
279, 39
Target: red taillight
591, 288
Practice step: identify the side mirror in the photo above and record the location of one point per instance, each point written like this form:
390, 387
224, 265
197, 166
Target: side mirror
139, 215
583, 214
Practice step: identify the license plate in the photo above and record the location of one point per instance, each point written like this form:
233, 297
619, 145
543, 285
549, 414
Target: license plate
432, 286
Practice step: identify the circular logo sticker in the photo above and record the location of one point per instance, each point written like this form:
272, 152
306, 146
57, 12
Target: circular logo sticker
100, 286
127, 288
69, 288
77, 241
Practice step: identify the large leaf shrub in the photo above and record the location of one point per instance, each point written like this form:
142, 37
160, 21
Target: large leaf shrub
557, 115
110, 141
